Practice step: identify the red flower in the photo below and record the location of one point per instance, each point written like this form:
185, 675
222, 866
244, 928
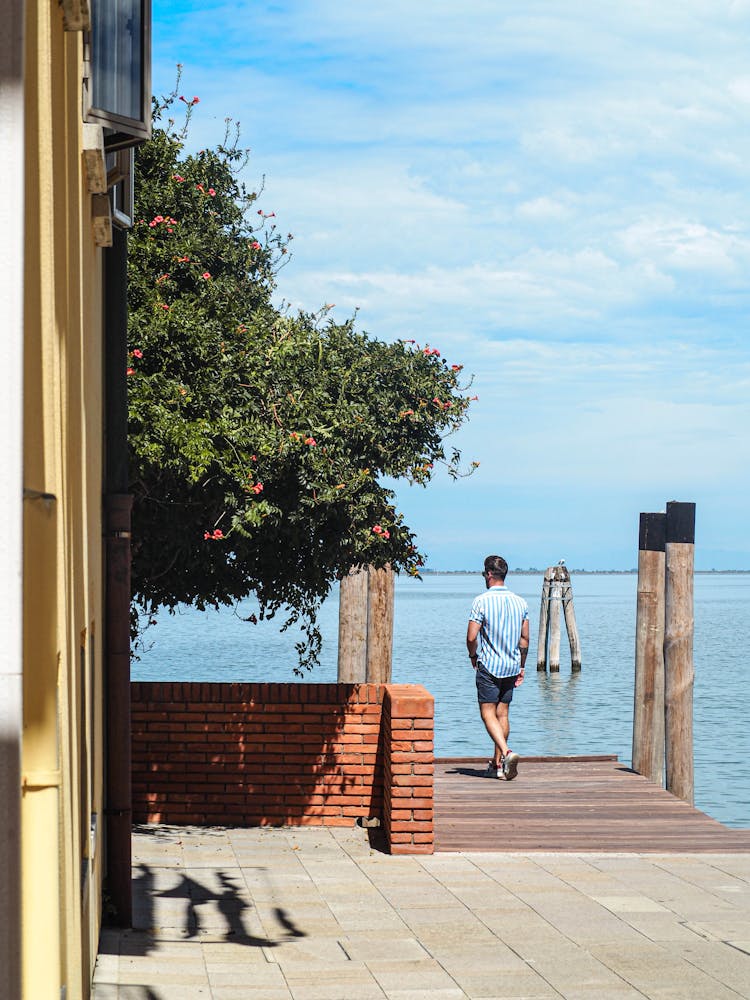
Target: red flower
253, 458
256, 245
206, 534
218, 533
176, 177
130, 371
196, 100
199, 187
311, 441
158, 218
165, 306
386, 534
258, 488
377, 529
206, 275
137, 353
212, 192
456, 368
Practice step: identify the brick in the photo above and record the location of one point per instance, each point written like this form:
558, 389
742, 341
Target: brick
410, 826
413, 780
411, 849
426, 815
424, 768
424, 746
406, 757
401, 732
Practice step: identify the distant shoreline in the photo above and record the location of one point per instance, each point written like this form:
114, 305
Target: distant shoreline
579, 572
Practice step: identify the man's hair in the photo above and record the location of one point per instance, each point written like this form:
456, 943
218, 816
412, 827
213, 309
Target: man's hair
496, 566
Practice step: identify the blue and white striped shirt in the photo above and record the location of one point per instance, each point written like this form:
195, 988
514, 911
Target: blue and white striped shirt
501, 614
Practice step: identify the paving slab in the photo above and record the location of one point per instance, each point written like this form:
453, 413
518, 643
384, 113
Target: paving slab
316, 914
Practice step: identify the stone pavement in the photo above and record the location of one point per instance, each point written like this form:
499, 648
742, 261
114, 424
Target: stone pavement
317, 914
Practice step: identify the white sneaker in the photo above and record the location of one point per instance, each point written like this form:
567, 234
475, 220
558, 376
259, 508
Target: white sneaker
510, 766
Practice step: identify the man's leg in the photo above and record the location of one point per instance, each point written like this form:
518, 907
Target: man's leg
490, 717
503, 719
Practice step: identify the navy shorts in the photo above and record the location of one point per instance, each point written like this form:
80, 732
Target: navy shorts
494, 689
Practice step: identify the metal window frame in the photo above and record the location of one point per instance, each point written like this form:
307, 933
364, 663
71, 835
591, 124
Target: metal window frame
122, 132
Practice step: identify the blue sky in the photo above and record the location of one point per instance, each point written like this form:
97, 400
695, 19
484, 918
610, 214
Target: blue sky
557, 197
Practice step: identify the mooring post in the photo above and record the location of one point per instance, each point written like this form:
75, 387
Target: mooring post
541, 646
352, 664
678, 648
570, 620
648, 700
555, 606
366, 598
380, 624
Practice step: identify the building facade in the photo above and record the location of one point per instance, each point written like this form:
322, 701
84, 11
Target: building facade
74, 95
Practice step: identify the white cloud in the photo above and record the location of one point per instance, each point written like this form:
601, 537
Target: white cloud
554, 194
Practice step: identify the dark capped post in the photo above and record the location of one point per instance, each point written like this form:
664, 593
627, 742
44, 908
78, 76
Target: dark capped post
678, 647
648, 702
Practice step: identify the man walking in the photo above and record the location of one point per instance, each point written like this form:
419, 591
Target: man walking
499, 628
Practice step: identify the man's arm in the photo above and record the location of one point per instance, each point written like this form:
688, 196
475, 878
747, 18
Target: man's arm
472, 633
523, 646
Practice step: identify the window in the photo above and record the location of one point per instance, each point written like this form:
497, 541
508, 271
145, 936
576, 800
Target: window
119, 86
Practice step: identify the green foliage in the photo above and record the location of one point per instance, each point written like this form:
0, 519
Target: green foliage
260, 442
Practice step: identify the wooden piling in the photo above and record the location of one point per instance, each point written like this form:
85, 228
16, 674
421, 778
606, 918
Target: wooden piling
381, 584
353, 594
570, 621
557, 596
555, 604
678, 648
648, 701
366, 598
541, 647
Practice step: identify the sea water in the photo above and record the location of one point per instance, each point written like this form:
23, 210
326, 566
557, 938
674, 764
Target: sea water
590, 712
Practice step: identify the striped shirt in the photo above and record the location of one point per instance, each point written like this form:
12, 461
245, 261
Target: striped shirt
501, 614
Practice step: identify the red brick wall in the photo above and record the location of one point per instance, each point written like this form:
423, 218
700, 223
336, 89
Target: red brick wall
408, 768
284, 754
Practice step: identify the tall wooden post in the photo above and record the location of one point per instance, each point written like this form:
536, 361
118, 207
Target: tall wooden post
366, 599
541, 644
555, 604
678, 648
352, 668
570, 621
648, 702
380, 624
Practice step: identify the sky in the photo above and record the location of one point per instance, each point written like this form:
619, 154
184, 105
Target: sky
557, 196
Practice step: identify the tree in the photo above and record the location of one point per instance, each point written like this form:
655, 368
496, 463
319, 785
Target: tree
261, 442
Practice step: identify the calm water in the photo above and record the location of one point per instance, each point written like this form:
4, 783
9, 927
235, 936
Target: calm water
589, 712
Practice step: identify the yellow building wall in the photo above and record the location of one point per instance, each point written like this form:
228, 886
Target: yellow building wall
63, 605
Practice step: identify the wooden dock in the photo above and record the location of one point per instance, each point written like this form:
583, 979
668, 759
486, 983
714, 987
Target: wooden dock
569, 804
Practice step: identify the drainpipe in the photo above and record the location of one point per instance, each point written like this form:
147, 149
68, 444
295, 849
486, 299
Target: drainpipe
12, 162
117, 506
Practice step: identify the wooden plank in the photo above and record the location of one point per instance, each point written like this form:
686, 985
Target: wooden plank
569, 804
